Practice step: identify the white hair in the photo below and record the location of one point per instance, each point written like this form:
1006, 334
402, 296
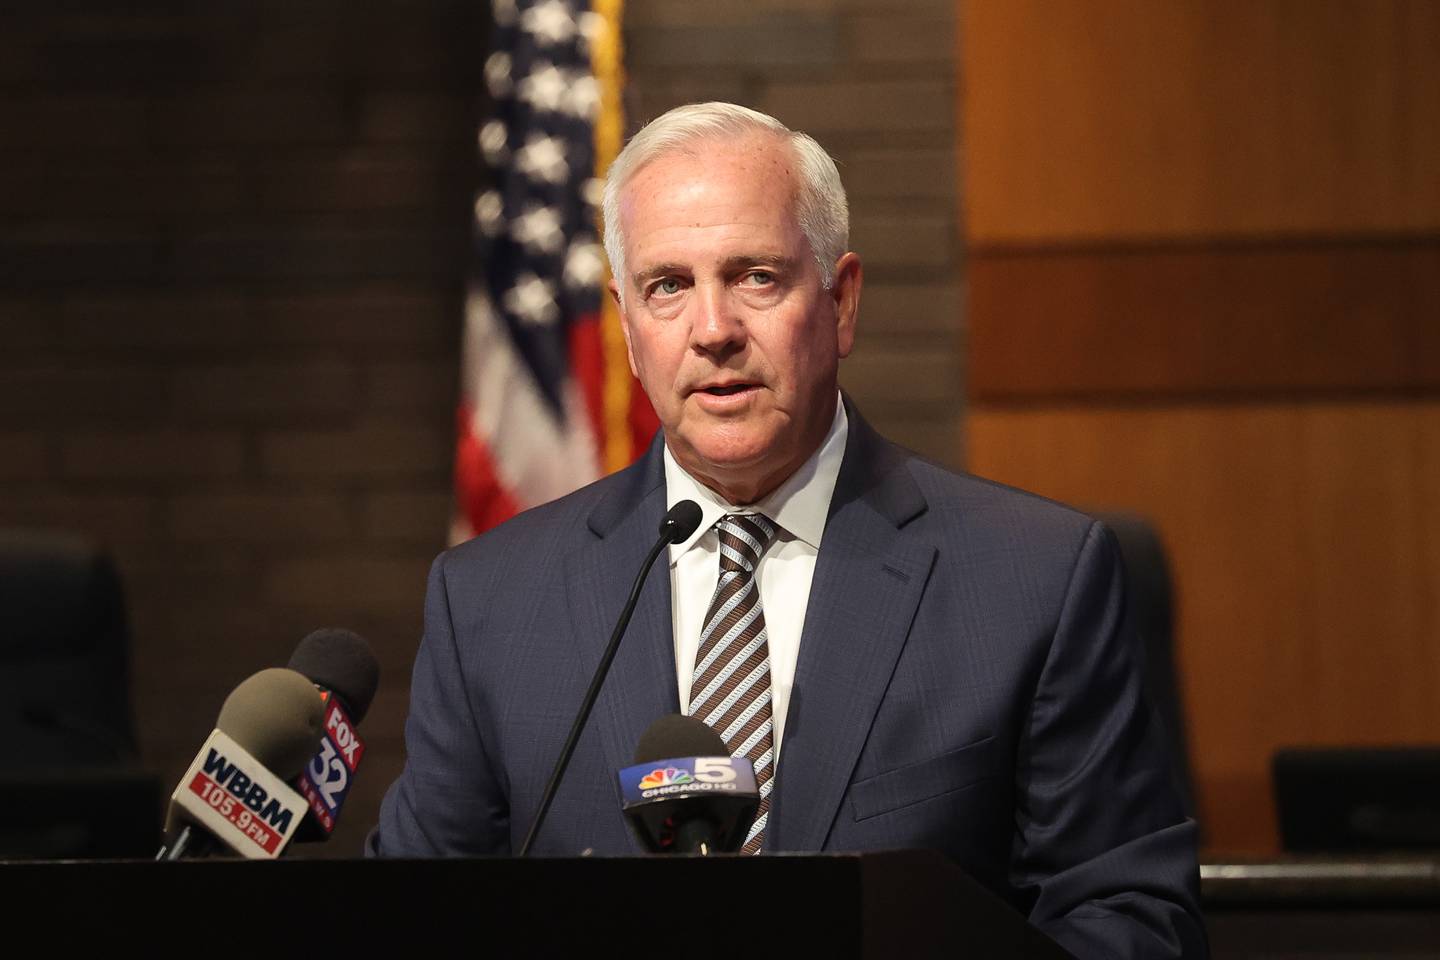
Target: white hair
820, 204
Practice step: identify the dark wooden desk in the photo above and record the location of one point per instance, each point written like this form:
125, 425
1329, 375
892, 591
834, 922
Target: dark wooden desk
1332, 907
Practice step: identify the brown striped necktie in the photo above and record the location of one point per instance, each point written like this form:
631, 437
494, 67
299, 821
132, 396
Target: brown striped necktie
730, 689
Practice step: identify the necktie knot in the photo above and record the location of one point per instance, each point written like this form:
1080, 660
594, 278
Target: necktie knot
744, 538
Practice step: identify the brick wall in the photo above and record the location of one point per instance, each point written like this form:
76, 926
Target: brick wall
231, 254
231, 257
875, 82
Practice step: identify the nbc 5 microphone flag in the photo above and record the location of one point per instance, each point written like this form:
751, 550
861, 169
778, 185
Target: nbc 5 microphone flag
547, 403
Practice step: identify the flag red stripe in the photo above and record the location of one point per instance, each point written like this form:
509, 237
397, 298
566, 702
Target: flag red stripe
480, 496
587, 365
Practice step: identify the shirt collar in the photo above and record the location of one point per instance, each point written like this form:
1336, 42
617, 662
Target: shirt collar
798, 506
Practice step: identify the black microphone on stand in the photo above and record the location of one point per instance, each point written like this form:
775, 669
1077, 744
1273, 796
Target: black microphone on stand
680, 521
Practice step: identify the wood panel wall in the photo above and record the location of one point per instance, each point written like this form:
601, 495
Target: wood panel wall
1204, 267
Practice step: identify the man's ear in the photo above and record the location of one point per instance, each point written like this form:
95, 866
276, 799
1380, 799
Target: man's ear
849, 277
614, 289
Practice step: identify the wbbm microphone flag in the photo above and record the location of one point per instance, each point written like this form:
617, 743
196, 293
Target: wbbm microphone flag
547, 400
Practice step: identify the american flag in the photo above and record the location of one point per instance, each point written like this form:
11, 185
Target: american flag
547, 401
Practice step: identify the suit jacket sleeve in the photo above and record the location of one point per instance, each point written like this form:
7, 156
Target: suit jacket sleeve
1101, 842
447, 801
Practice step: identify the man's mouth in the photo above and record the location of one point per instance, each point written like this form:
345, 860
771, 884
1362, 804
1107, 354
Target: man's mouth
727, 390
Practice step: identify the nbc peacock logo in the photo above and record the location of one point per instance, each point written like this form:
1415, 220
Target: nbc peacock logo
665, 777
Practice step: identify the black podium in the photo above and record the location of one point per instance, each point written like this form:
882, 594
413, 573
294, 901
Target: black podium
901, 904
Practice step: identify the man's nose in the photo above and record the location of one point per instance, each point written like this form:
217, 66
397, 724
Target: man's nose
716, 326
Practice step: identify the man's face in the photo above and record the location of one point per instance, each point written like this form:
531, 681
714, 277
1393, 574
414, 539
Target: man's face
729, 329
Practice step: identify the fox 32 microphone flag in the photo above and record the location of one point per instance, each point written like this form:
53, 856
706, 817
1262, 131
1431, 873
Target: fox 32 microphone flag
547, 401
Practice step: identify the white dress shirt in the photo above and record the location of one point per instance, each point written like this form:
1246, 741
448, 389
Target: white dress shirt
798, 508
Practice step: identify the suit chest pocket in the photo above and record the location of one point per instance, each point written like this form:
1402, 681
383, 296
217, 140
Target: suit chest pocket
925, 780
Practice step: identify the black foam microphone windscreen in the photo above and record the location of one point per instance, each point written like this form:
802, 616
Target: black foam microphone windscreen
697, 799
679, 736
340, 661
680, 521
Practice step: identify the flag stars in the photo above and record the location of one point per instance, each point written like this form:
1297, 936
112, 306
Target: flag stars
494, 142
490, 213
504, 11
545, 88
584, 265
592, 191
539, 230
554, 90
591, 24
543, 158
584, 99
532, 300
549, 23
497, 74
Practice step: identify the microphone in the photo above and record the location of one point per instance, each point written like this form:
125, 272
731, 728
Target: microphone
685, 793
339, 662
235, 789
678, 523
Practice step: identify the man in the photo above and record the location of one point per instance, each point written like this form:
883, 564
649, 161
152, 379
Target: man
910, 658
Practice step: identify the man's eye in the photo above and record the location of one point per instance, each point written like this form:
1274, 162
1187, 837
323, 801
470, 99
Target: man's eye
668, 287
759, 278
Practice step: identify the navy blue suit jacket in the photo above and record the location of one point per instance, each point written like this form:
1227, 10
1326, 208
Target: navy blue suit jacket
963, 684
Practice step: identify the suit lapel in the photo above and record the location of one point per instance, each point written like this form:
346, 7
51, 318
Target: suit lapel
868, 581
641, 685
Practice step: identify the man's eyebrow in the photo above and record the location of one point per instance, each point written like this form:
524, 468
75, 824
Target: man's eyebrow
776, 260
658, 270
